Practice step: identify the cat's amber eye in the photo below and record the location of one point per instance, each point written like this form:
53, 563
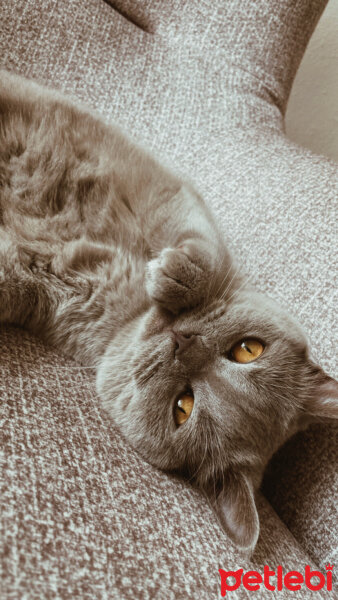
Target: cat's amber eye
183, 408
247, 350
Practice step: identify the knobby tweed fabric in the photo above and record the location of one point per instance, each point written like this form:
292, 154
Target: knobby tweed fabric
205, 86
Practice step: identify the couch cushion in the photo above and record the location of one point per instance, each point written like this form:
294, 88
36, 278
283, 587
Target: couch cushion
180, 91
263, 37
83, 516
302, 485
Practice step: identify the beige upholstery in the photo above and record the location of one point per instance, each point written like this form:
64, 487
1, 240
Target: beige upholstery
205, 85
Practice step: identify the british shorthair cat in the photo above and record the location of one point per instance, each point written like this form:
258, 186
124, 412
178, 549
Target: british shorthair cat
118, 262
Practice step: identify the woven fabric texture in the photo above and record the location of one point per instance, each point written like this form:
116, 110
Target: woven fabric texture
204, 85
83, 516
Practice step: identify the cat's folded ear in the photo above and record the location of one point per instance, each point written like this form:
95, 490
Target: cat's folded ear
322, 401
236, 510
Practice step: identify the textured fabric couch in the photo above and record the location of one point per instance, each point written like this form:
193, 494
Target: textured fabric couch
204, 84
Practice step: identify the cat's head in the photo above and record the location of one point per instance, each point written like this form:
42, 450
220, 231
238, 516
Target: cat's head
212, 393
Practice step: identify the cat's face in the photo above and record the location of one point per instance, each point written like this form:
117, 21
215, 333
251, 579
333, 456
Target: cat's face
241, 411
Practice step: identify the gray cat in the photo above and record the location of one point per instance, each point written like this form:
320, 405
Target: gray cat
118, 262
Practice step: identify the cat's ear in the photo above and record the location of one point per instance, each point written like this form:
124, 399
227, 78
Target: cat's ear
236, 510
322, 402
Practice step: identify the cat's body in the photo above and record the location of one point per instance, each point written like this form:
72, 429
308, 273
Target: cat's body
117, 261
78, 196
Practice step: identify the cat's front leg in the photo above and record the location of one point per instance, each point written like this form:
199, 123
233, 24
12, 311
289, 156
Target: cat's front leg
26, 299
190, 263
188, 275
35, 282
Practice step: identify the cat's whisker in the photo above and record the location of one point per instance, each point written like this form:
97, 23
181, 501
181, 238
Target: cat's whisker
152, 358
214, 463
193, 476
210, 293
236, 292
219, 450
59, 368
309, 301
149, 358
236, 272
222, 282
145, 376
90, 412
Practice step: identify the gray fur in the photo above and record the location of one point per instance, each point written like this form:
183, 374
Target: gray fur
103, 253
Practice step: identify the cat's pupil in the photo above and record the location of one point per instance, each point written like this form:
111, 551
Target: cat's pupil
246, 348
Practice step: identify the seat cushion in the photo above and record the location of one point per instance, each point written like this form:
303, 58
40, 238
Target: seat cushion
302, 485
83, 516
179, 90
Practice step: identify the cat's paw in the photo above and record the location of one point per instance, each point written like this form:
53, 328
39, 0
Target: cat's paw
180, 277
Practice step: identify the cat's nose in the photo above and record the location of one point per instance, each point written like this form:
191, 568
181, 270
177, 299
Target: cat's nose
183, 341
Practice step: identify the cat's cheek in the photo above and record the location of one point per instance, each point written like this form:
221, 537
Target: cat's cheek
113, 382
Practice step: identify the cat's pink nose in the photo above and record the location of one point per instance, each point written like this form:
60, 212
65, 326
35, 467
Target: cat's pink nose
182, 341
